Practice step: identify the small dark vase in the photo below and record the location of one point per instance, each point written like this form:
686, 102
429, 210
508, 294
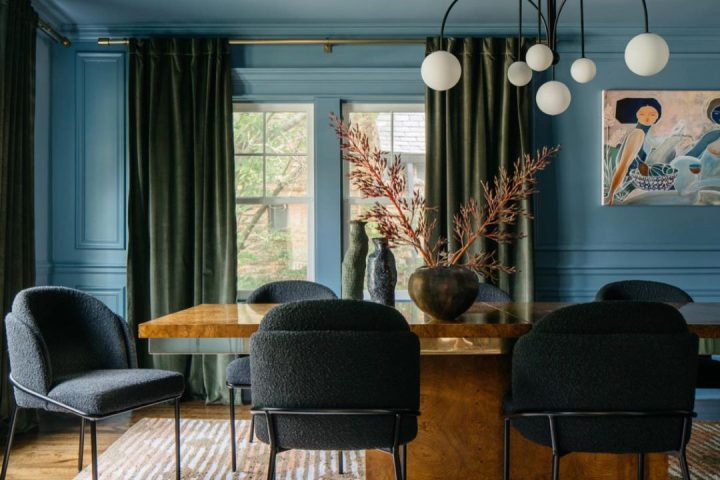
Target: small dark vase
444, 293
382, 273
353, 265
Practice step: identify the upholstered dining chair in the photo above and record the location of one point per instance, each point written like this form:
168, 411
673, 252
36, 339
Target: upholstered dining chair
645, 290
335, 375
70, 353
493, 294
238, 371
605, 377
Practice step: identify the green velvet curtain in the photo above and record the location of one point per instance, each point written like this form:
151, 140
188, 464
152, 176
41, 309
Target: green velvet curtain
18, 22
480, 125
181, 208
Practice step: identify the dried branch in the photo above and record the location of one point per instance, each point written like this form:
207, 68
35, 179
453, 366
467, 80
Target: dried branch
406, 221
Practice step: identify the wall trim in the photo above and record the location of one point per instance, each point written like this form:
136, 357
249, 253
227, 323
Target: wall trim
81, 242
319, 82
51, 13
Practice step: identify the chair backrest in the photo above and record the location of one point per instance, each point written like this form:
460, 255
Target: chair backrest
335, 354
607, 356
290, 291
54, 332
643, 291
491, 293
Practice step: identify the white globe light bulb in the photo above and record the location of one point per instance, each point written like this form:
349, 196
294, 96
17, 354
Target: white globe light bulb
519, 74
647, 54
583, 70
539, 57
441, 70
553, 97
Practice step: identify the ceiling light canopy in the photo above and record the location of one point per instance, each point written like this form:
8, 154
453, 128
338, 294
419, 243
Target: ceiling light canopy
646, 54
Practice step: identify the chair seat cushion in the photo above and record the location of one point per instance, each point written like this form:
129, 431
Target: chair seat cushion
101, 392
238, 371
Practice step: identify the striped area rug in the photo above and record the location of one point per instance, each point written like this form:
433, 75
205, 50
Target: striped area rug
146, 451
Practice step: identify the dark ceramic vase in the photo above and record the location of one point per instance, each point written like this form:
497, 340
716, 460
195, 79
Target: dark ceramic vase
444, 293
382, 273
353, 265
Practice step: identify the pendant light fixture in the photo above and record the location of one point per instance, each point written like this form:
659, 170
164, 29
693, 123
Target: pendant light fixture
646, 54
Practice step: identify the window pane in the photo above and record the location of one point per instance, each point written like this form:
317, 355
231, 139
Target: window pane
406, 259
248, 132
377, 126
286, 176
287, 132
272, 243
409, 133
248, 176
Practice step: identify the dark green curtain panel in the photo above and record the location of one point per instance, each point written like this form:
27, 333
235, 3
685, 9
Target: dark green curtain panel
472, 130
18, 22
182, 227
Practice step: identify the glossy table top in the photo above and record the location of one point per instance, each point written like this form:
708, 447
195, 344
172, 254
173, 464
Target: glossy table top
484, 321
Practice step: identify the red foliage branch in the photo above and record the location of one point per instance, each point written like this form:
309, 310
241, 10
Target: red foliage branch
405, 220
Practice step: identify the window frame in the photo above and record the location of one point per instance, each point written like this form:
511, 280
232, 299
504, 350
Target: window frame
348, 108
245, 106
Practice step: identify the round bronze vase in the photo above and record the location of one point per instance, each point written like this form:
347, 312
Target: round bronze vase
444, 293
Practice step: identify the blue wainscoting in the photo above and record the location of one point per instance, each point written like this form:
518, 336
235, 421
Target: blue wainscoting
87, 201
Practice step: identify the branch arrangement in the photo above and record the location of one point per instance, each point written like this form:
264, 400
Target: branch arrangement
406, 219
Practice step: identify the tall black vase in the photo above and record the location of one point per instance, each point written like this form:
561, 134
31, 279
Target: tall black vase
382, 273
353, 265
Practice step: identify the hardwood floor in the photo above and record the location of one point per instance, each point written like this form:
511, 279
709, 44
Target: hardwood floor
51, 451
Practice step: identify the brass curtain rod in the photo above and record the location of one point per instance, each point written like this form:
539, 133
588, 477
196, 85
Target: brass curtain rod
48, 30
327, 43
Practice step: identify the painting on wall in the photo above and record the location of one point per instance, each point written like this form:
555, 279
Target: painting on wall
661, 147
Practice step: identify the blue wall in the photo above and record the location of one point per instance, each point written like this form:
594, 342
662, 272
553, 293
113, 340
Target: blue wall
580, 245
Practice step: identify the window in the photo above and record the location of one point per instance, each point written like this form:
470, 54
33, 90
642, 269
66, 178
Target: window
396, 129
274, 193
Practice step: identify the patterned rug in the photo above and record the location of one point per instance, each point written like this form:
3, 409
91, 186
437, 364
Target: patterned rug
146, 451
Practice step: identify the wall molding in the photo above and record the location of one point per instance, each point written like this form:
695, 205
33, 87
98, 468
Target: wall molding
81, 175
49, 11
113, 297
87, 268
316, 82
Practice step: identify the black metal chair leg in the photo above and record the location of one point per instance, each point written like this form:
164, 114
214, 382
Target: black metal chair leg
252, 429
341, 466
232, 428
177, 440
506, 450
684, 465
93, 445
641, 466
405, 447
81, 449
555, 466
8, 446
396, 463
271, 464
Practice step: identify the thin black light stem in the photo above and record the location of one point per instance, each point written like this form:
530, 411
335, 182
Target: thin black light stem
519, 54
539, 9
645, 12
582, 28
444, 20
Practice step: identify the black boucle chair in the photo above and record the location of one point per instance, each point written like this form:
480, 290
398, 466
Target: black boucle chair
493, 294
336, 375
642, 291
238, 371
70, 353
610, 377
648, 291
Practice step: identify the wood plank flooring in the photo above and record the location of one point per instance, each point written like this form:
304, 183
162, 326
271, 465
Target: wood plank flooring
51, 452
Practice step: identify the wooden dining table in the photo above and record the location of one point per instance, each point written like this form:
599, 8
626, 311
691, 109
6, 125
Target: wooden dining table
464, 374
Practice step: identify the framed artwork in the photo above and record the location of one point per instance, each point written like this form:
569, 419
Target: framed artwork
661, 147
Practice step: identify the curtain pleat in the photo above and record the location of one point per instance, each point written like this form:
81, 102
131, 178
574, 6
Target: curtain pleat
18, 22
472, 130
182, 228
